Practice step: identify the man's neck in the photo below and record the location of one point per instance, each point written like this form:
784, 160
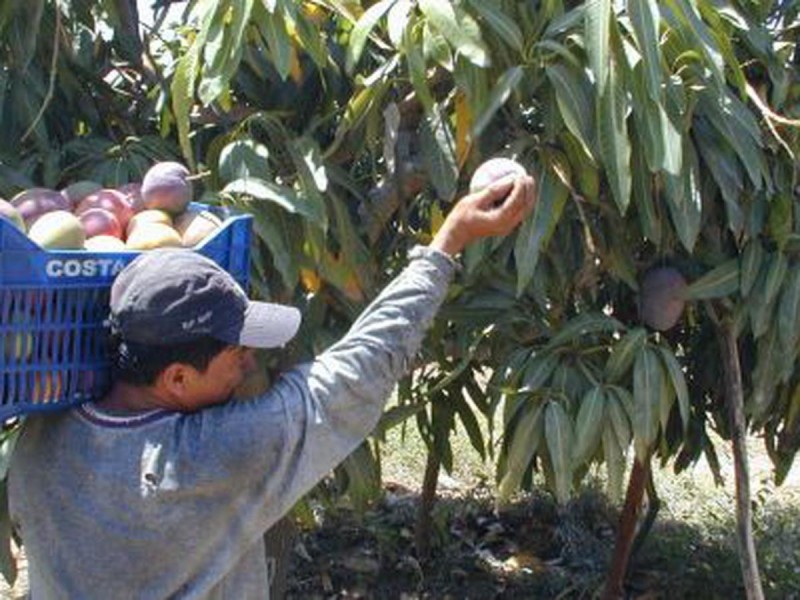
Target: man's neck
127, 398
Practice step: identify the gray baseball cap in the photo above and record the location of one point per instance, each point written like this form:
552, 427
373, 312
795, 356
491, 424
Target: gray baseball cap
172, 296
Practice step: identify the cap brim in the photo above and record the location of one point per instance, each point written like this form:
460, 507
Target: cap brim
268, 325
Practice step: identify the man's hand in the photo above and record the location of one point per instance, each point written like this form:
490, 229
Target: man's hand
496, 210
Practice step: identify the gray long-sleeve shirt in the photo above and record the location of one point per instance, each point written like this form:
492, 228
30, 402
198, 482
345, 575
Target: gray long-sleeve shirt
175, 505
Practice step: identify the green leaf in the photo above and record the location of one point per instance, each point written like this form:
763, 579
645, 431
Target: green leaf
589, 424
499, 20
223, 48
615, 465
789, 312
678, 382
7, 445
643, 197
535, 232
397, 415
273, 29
738, 127
458, 28
438, 148
242, 159
358, 36
435, 48
313, 176
597, 31
397, 21
699, 35
312, 41
645, 20
573, 94
726, 170
765, 375
471, 425
537, 370
612, 132
279, 195
182, 90
501, 90
648, 376
525, 442
658, 135
752, 258
777, 265
721, 281
618, 417
684, 200
416, 70
623, 353
560, 439
8, 564
584, 324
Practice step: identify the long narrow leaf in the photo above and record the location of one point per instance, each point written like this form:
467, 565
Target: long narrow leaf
524, 445
719, 282
501, 22
573, 94
560, 439
597, 23
536, 231
648, 376
613, 138
645, 19
677, 381
358, 36
589, 424
458, 28
501, 90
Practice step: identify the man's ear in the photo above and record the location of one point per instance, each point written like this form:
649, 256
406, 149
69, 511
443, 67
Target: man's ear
176, 379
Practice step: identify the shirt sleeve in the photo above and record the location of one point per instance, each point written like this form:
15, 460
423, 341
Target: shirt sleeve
282, 443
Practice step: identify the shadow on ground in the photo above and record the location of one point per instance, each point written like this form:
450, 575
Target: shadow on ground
531, 549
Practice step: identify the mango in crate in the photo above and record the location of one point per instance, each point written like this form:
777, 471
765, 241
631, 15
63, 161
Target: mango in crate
166, 186
58, 230
46, 387
10, 213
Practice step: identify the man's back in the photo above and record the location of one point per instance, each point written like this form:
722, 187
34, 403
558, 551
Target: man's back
119, 507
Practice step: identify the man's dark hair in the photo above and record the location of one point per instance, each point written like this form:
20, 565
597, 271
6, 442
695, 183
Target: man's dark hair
140, 364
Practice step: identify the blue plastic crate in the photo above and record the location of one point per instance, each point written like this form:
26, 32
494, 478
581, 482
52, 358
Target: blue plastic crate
53, 304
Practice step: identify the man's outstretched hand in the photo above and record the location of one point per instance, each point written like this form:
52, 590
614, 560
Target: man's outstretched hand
495, 210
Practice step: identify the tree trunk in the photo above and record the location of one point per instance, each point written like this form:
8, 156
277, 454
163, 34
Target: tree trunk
279, 542
422, 533
653, 506
626, 530
744, 519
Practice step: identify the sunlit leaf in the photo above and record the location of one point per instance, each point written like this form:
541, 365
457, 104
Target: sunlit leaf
677, 381
597, 21
612, 132
358, 36
527, 436
648, 376
624, 352
501, 90
589, 424
500, 21
536, 231
458, 28
560, 439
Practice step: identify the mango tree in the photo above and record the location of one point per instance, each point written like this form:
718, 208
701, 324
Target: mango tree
658, 263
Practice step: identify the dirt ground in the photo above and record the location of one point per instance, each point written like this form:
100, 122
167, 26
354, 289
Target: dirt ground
535, 549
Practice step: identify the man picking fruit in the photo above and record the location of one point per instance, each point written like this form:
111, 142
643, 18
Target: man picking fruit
165, 488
